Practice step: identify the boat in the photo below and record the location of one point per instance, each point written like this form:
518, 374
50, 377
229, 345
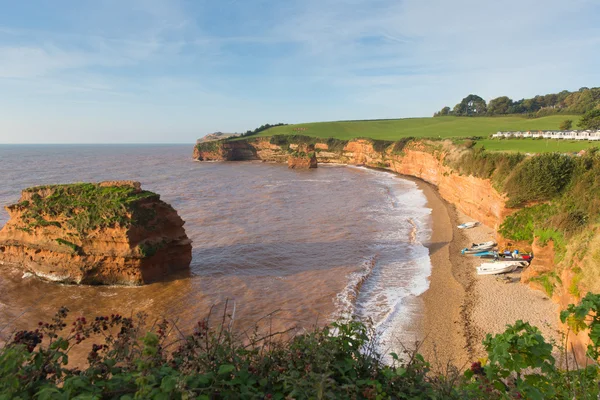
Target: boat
514, 261
468, 225
479, 247
486, 254
495, 268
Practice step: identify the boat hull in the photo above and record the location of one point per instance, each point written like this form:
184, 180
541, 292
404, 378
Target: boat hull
498, 269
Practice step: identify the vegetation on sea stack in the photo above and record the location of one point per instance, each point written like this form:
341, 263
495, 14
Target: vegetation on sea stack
83, 207
127, 359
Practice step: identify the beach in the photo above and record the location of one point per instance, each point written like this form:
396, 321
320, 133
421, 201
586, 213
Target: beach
460, 307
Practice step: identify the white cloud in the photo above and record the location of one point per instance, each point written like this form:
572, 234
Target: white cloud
300, 59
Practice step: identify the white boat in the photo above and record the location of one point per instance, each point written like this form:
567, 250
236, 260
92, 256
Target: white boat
468, 225
496, 268
479, 247
518, 263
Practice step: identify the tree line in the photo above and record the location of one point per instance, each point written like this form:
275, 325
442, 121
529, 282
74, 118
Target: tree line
579, 102
260, 129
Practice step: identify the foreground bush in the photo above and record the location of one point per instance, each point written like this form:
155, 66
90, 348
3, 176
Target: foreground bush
129, 360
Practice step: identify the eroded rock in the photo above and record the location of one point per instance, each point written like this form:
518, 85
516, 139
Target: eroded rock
106, 233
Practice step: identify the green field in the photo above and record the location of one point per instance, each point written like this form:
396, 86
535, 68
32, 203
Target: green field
535, 145
394, 129
443, 127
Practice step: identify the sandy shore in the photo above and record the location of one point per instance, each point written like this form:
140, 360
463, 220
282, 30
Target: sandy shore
461, 307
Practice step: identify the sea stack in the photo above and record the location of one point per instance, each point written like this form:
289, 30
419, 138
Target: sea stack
111, 233
302, 157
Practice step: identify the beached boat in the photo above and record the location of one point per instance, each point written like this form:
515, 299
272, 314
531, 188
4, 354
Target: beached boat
495, 268
479, 247
513, 261
468, 225
486, 254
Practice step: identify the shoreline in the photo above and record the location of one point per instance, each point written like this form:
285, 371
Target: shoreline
443, 329
460, 307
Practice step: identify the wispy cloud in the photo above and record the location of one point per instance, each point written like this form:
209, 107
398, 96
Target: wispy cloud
289, 61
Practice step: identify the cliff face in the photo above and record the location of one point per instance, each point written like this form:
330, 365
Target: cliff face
473, 196
107, 233
302, 157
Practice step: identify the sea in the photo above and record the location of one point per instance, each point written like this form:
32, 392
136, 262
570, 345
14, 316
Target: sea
275, 248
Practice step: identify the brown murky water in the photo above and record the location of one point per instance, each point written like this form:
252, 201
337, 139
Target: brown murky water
312, 244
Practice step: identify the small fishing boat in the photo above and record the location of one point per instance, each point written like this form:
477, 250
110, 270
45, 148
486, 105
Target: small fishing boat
495, 268
479, 247
514, 261
468, 225
486, 254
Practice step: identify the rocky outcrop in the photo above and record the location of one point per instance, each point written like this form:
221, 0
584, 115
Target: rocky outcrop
225, 151
106, 233
302, 157
542, 275
216, 136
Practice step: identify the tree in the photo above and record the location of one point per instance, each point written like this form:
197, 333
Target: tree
531, 105
566, 125
590, 120
444, 111
471, 105
499, 105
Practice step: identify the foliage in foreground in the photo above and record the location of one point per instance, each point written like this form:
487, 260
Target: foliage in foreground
128, 360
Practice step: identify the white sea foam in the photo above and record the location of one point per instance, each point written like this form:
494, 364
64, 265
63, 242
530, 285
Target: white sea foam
385, 292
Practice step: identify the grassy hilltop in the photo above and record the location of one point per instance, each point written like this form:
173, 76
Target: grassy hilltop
442, 127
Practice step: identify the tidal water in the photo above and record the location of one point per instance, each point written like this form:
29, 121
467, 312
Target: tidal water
310, 246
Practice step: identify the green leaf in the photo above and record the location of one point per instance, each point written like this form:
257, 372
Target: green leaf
226, 369
168, 383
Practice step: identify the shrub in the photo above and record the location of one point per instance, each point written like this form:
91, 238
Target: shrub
399, 145
336, 145
72, 246
566, 125
127, 359
549, 282
539, 178
212, 146
286, 140
522, 224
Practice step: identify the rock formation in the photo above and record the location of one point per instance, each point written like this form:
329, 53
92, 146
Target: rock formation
302, 157
107, 233
216, 136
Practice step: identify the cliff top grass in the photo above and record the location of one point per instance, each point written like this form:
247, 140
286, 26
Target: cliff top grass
85, 206
444, 127
440, 128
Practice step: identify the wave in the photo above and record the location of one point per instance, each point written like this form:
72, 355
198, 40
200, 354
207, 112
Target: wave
384, 290
345, 300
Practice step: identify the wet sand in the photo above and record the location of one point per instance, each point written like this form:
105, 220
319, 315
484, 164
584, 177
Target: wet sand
461, 307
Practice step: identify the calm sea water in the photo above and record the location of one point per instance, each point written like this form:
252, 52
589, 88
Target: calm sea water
312, 245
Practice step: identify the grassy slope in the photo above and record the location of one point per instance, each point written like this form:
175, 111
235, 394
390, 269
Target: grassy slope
535, 146
449, 127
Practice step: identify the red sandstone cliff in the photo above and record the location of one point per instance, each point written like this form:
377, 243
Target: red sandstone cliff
146, 244
302, 157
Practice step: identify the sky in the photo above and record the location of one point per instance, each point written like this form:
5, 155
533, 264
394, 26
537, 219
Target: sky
170, 71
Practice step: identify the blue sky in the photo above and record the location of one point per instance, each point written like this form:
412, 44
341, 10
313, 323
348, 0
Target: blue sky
173, 70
